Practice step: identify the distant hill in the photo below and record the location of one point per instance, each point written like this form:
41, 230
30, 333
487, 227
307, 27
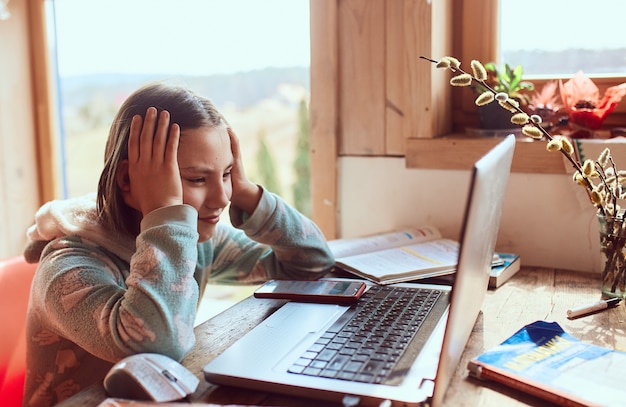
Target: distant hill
242, 89
568, 62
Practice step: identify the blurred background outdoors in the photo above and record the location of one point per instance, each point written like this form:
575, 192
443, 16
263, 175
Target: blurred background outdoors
250, 57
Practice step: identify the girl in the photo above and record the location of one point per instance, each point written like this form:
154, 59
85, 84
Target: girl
122, 274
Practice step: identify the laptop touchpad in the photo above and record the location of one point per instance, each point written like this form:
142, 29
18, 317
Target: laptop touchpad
304, 316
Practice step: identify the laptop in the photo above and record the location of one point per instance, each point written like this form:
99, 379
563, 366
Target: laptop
299, 349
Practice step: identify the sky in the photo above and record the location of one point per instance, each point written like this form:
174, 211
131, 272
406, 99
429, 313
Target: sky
557, 24
202, 37
186, 37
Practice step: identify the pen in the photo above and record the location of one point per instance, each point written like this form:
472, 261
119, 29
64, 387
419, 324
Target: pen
594, 307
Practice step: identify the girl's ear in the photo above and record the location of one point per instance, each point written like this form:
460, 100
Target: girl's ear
121, 176
123, 182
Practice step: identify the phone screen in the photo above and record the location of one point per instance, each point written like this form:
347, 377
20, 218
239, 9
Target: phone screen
334, 291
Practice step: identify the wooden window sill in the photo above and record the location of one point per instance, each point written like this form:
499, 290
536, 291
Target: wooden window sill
460, 151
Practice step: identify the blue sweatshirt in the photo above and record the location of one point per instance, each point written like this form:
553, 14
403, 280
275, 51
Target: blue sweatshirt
97, 298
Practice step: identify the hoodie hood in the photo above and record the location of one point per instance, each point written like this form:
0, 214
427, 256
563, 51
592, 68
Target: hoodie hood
73, 217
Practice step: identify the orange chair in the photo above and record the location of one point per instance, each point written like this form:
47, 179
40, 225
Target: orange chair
15, 279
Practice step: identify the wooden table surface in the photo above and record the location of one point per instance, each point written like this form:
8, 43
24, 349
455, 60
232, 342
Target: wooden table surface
533, 294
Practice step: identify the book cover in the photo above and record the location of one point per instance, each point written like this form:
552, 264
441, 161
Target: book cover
543, 360
505, 266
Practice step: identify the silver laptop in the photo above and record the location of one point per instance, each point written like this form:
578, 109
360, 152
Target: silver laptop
322, 350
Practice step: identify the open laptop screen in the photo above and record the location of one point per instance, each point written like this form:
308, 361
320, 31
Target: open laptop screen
478, 239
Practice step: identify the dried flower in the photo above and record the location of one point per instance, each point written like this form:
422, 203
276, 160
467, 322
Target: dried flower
463, 79
451, 63
484, 98
519, 119
596, 197
511, 105
579, 179
554, 145
532, 132
602, 171
568, 147
588, 166
479, 70
604, 157
502, 97
601, 179
443, 63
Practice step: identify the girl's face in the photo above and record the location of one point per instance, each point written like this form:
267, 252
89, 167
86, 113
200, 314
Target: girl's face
205, 160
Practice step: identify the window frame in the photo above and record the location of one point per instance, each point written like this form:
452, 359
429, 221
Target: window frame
477, 40
472, 40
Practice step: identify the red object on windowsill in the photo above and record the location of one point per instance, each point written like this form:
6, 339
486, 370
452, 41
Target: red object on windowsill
585, 109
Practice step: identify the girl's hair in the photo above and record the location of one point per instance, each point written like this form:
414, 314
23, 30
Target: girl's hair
187, 109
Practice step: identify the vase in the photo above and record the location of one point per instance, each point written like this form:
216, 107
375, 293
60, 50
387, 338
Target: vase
612, 256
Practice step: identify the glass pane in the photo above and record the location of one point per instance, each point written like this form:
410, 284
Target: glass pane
560, 37
250, 57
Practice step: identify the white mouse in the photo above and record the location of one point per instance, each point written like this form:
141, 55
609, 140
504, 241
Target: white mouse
150, 376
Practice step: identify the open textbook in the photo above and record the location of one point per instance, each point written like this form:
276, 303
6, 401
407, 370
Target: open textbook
543, 360
404, 255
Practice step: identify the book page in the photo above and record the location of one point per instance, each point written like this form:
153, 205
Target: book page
353, 246
607, 385
116, 402
432, 255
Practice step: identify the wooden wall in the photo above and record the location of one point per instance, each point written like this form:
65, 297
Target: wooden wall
371, 95
19, 187
370, 92
29, 143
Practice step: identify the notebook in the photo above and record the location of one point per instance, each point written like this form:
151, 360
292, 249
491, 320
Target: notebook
288, 352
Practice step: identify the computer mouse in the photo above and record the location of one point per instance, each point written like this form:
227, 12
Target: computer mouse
150, 376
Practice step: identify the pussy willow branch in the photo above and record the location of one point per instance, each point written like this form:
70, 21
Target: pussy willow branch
517, 108
577, 166
603, 178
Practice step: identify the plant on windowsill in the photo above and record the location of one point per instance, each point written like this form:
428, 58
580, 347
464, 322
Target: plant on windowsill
506, 80
604, 183
545, 103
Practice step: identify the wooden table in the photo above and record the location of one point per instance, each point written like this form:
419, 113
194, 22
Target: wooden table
533, 294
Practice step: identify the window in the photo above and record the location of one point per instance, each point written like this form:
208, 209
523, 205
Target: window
250, 57
560, 37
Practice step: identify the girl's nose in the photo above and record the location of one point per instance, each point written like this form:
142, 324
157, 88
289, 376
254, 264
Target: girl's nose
217, 197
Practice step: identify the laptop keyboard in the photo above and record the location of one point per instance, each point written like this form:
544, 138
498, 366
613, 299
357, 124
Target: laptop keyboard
368, 340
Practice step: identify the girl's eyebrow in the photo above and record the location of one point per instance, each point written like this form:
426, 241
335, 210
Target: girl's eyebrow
198, 169
205, 169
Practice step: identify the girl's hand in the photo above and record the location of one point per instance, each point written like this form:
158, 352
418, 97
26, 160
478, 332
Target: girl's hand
153, 162
246, 195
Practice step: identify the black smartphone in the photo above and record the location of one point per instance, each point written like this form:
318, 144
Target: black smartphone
322, 291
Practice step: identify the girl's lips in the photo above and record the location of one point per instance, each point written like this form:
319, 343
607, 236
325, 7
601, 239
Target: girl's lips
210, 219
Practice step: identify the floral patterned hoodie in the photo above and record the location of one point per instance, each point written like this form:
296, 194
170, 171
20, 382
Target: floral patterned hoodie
97, 297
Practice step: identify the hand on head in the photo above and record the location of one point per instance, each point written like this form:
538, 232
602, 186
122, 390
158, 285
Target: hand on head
152, 162
154, 179
246, 195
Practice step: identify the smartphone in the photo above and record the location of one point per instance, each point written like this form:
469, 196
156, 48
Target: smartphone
322, 291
